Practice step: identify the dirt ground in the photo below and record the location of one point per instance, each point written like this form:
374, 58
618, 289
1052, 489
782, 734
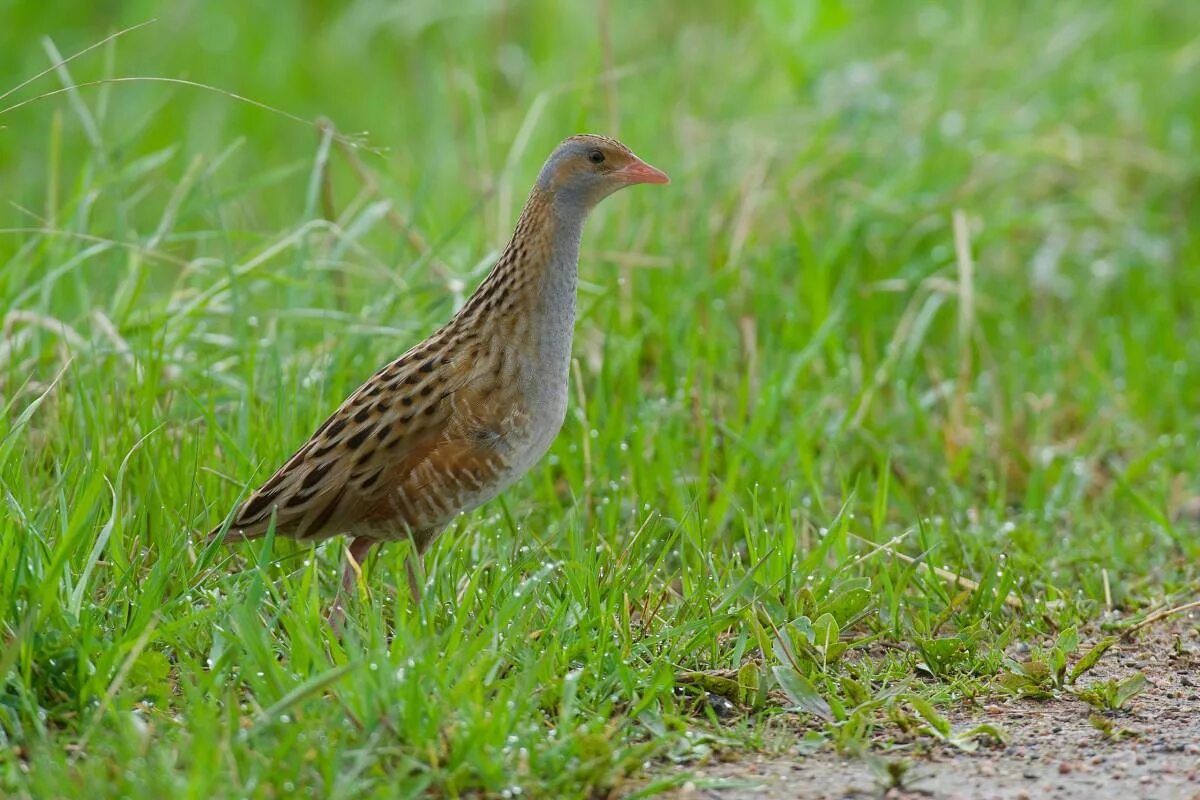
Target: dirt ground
1053, 751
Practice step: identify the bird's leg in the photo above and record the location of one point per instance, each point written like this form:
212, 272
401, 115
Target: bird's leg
356, 556
416, 574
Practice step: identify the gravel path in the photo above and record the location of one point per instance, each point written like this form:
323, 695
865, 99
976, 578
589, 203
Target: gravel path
1053, 752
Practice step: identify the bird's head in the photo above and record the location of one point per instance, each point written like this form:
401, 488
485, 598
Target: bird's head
585, 169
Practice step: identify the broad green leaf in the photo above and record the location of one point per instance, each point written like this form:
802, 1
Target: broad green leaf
855, 692
1067, 641
749, 683
1058, 665
806, 602
716, 684
801, 693
847, 599
987, 729
945, 655
837, 708
761, 637
927, 712
1091, 657
1037, 671
1129, 687
825, 632
802, 629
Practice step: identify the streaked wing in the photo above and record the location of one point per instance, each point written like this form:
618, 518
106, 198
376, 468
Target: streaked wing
386, 427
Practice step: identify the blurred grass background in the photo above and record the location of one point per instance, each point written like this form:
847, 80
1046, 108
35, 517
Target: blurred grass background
788, 351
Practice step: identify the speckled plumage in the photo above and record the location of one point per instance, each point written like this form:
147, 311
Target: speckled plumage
460, 416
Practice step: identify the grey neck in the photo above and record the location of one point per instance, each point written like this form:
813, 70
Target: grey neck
553, 321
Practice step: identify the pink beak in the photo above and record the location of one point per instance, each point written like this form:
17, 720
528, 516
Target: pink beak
641, 172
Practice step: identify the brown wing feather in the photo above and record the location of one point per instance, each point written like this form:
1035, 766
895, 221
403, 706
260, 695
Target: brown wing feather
388, 424
436, 475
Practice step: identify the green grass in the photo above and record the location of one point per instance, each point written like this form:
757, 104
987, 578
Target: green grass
783, 362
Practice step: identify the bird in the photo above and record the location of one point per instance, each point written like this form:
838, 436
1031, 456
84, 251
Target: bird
462, 415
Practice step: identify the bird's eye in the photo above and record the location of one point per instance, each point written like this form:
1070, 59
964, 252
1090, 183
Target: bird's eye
596, 157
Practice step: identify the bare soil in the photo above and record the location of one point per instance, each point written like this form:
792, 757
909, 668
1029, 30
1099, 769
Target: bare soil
1053, 751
